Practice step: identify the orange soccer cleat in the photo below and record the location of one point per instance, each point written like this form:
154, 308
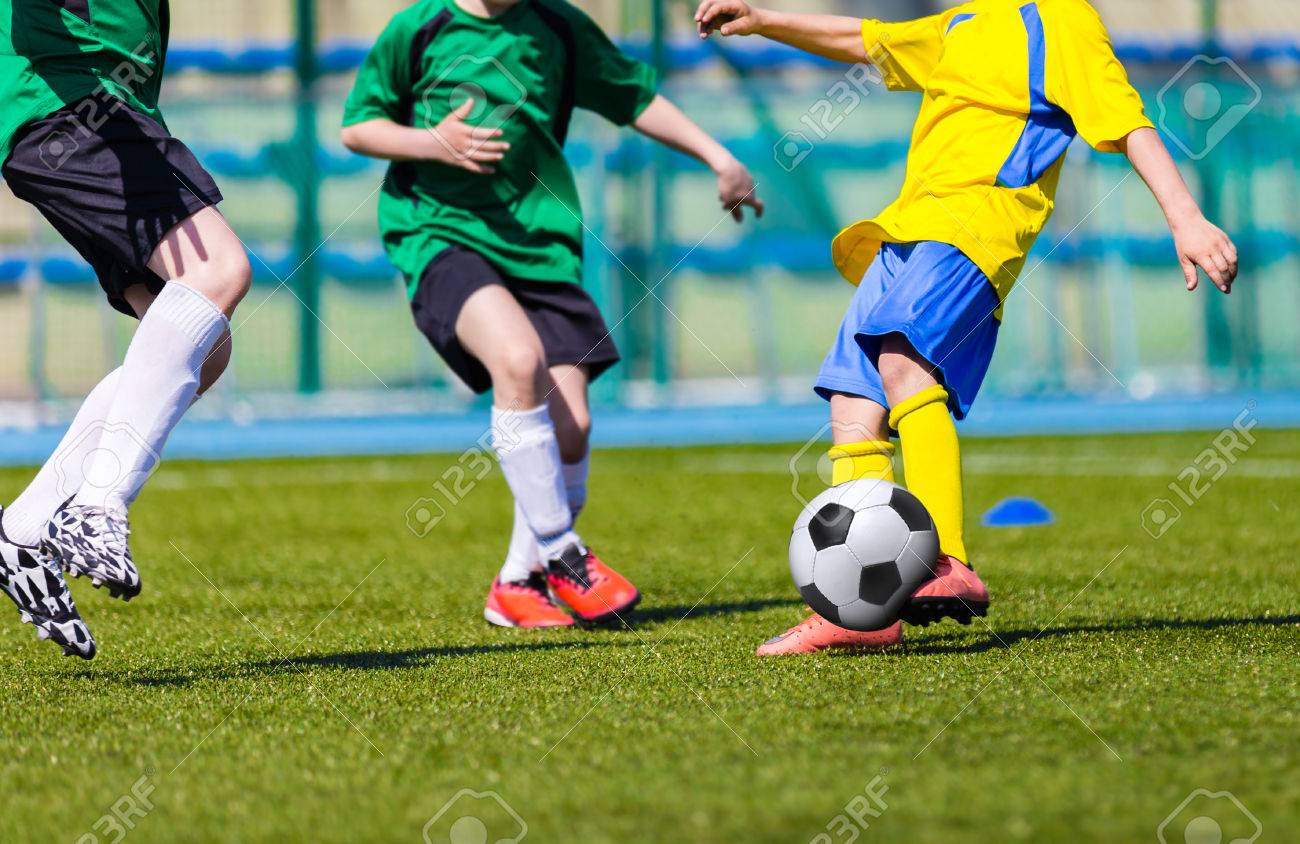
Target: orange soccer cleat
590, 588
955, 592
524, 603
815, 633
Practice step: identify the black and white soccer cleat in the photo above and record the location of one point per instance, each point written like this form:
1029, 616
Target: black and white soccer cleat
91, 542
36, 586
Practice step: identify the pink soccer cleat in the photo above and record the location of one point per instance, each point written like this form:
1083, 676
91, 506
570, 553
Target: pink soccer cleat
955, 592
815, 634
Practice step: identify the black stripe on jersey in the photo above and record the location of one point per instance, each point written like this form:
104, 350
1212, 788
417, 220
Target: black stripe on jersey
569, 90
403, 172
419, 46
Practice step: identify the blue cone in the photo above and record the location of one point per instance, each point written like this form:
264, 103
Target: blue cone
1018, 512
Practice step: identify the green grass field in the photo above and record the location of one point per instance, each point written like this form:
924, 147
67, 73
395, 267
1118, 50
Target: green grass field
301, 666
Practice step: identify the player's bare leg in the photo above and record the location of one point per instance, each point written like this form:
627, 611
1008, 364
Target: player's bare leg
180, 349
933, 462
494, 328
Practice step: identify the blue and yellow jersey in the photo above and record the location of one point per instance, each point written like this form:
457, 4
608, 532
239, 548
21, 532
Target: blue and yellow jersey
1007, 86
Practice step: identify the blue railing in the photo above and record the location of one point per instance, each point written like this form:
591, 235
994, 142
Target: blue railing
690, 54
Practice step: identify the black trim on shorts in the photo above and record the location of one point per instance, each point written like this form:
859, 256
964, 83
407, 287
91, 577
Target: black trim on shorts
566, 319
113, 183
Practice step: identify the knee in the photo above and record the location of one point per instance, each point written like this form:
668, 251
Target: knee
228, 279
519, 370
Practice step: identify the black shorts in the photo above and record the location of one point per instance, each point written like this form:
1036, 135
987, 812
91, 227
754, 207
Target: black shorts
565, 317
113, 184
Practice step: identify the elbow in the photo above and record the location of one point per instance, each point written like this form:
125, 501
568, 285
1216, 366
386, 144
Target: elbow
351, 138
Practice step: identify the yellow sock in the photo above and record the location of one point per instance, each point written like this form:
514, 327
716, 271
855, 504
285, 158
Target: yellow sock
932, 460
866, 459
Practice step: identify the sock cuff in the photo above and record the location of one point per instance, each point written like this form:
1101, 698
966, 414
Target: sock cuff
511, 426
865, 448
928, 396
191, 313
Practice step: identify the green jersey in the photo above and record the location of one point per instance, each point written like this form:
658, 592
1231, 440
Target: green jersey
54, 53
526, 69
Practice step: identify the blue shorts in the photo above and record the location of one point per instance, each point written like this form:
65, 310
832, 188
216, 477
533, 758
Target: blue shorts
934, 296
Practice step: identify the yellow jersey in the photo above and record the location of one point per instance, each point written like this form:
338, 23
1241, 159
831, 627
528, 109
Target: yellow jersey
1006, 86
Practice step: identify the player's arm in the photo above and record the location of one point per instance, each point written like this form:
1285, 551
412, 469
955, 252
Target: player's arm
1199, 242
831, 36
665, 123
453, 141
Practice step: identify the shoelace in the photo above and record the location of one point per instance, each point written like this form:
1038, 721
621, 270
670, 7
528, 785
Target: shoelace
112, 526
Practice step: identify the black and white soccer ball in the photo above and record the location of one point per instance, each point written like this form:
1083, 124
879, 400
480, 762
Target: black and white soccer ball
859, 550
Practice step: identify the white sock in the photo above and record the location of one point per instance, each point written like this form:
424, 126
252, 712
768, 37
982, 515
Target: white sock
61, 476
525, 443
159, 380
524, 556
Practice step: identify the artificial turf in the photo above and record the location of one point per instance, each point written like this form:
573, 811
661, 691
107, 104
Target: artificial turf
302, 666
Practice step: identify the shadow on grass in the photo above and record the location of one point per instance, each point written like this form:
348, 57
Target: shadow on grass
392, 660
362, 660
689, 612
1006, 638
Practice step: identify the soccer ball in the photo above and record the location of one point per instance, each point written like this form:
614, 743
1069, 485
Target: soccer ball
859, 550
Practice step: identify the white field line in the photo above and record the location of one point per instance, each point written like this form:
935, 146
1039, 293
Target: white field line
325, 473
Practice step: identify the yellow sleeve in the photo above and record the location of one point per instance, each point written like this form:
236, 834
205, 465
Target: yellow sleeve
906, 53
1086, 79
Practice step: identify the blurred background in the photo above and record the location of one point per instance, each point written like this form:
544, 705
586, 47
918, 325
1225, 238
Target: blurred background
722, 326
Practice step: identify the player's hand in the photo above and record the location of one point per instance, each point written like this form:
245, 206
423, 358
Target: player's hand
730, 17
736, 190
1202, 244
473, 148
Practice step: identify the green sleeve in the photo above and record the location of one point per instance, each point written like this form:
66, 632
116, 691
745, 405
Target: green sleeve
384, 81
610, 82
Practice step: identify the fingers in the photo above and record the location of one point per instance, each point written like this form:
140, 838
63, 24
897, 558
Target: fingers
712, 14
736, 203
485, 133
463, 110
1189, 272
